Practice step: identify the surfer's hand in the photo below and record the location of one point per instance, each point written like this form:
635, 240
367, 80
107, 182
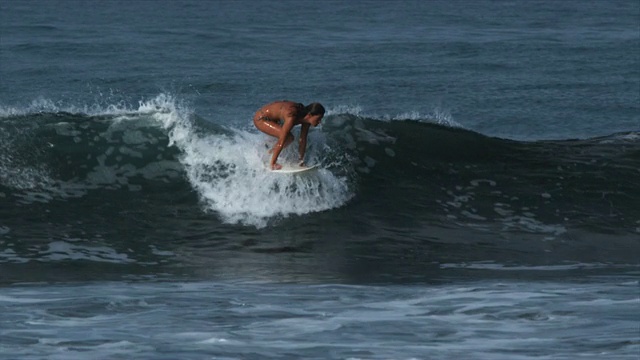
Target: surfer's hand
276, 166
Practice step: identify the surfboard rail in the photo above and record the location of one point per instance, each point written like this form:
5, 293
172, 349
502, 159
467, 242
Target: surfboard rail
295, 169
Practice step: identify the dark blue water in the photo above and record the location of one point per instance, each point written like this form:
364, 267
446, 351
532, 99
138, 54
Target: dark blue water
478, 195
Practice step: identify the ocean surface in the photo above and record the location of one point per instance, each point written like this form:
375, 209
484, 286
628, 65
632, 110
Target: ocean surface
478, 195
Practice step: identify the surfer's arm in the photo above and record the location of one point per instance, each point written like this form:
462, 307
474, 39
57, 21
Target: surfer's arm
302, 145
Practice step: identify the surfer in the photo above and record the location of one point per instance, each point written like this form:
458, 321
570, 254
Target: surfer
279, 117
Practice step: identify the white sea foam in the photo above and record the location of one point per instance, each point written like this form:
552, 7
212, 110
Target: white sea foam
490, 319
44, 105
437, 116
345, 109
229, 174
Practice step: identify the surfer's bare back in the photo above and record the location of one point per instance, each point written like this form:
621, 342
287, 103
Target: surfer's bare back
279, 117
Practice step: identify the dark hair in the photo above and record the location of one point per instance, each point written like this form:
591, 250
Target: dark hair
314, 109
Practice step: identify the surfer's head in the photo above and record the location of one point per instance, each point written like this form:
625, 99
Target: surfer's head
315, 113
315, 109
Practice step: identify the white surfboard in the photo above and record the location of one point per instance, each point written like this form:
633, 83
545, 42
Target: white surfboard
295, 169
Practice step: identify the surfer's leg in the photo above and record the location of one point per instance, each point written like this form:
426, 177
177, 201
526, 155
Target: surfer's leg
272, 128
267, 126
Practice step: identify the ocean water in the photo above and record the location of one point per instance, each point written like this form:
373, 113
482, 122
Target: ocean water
478, 196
